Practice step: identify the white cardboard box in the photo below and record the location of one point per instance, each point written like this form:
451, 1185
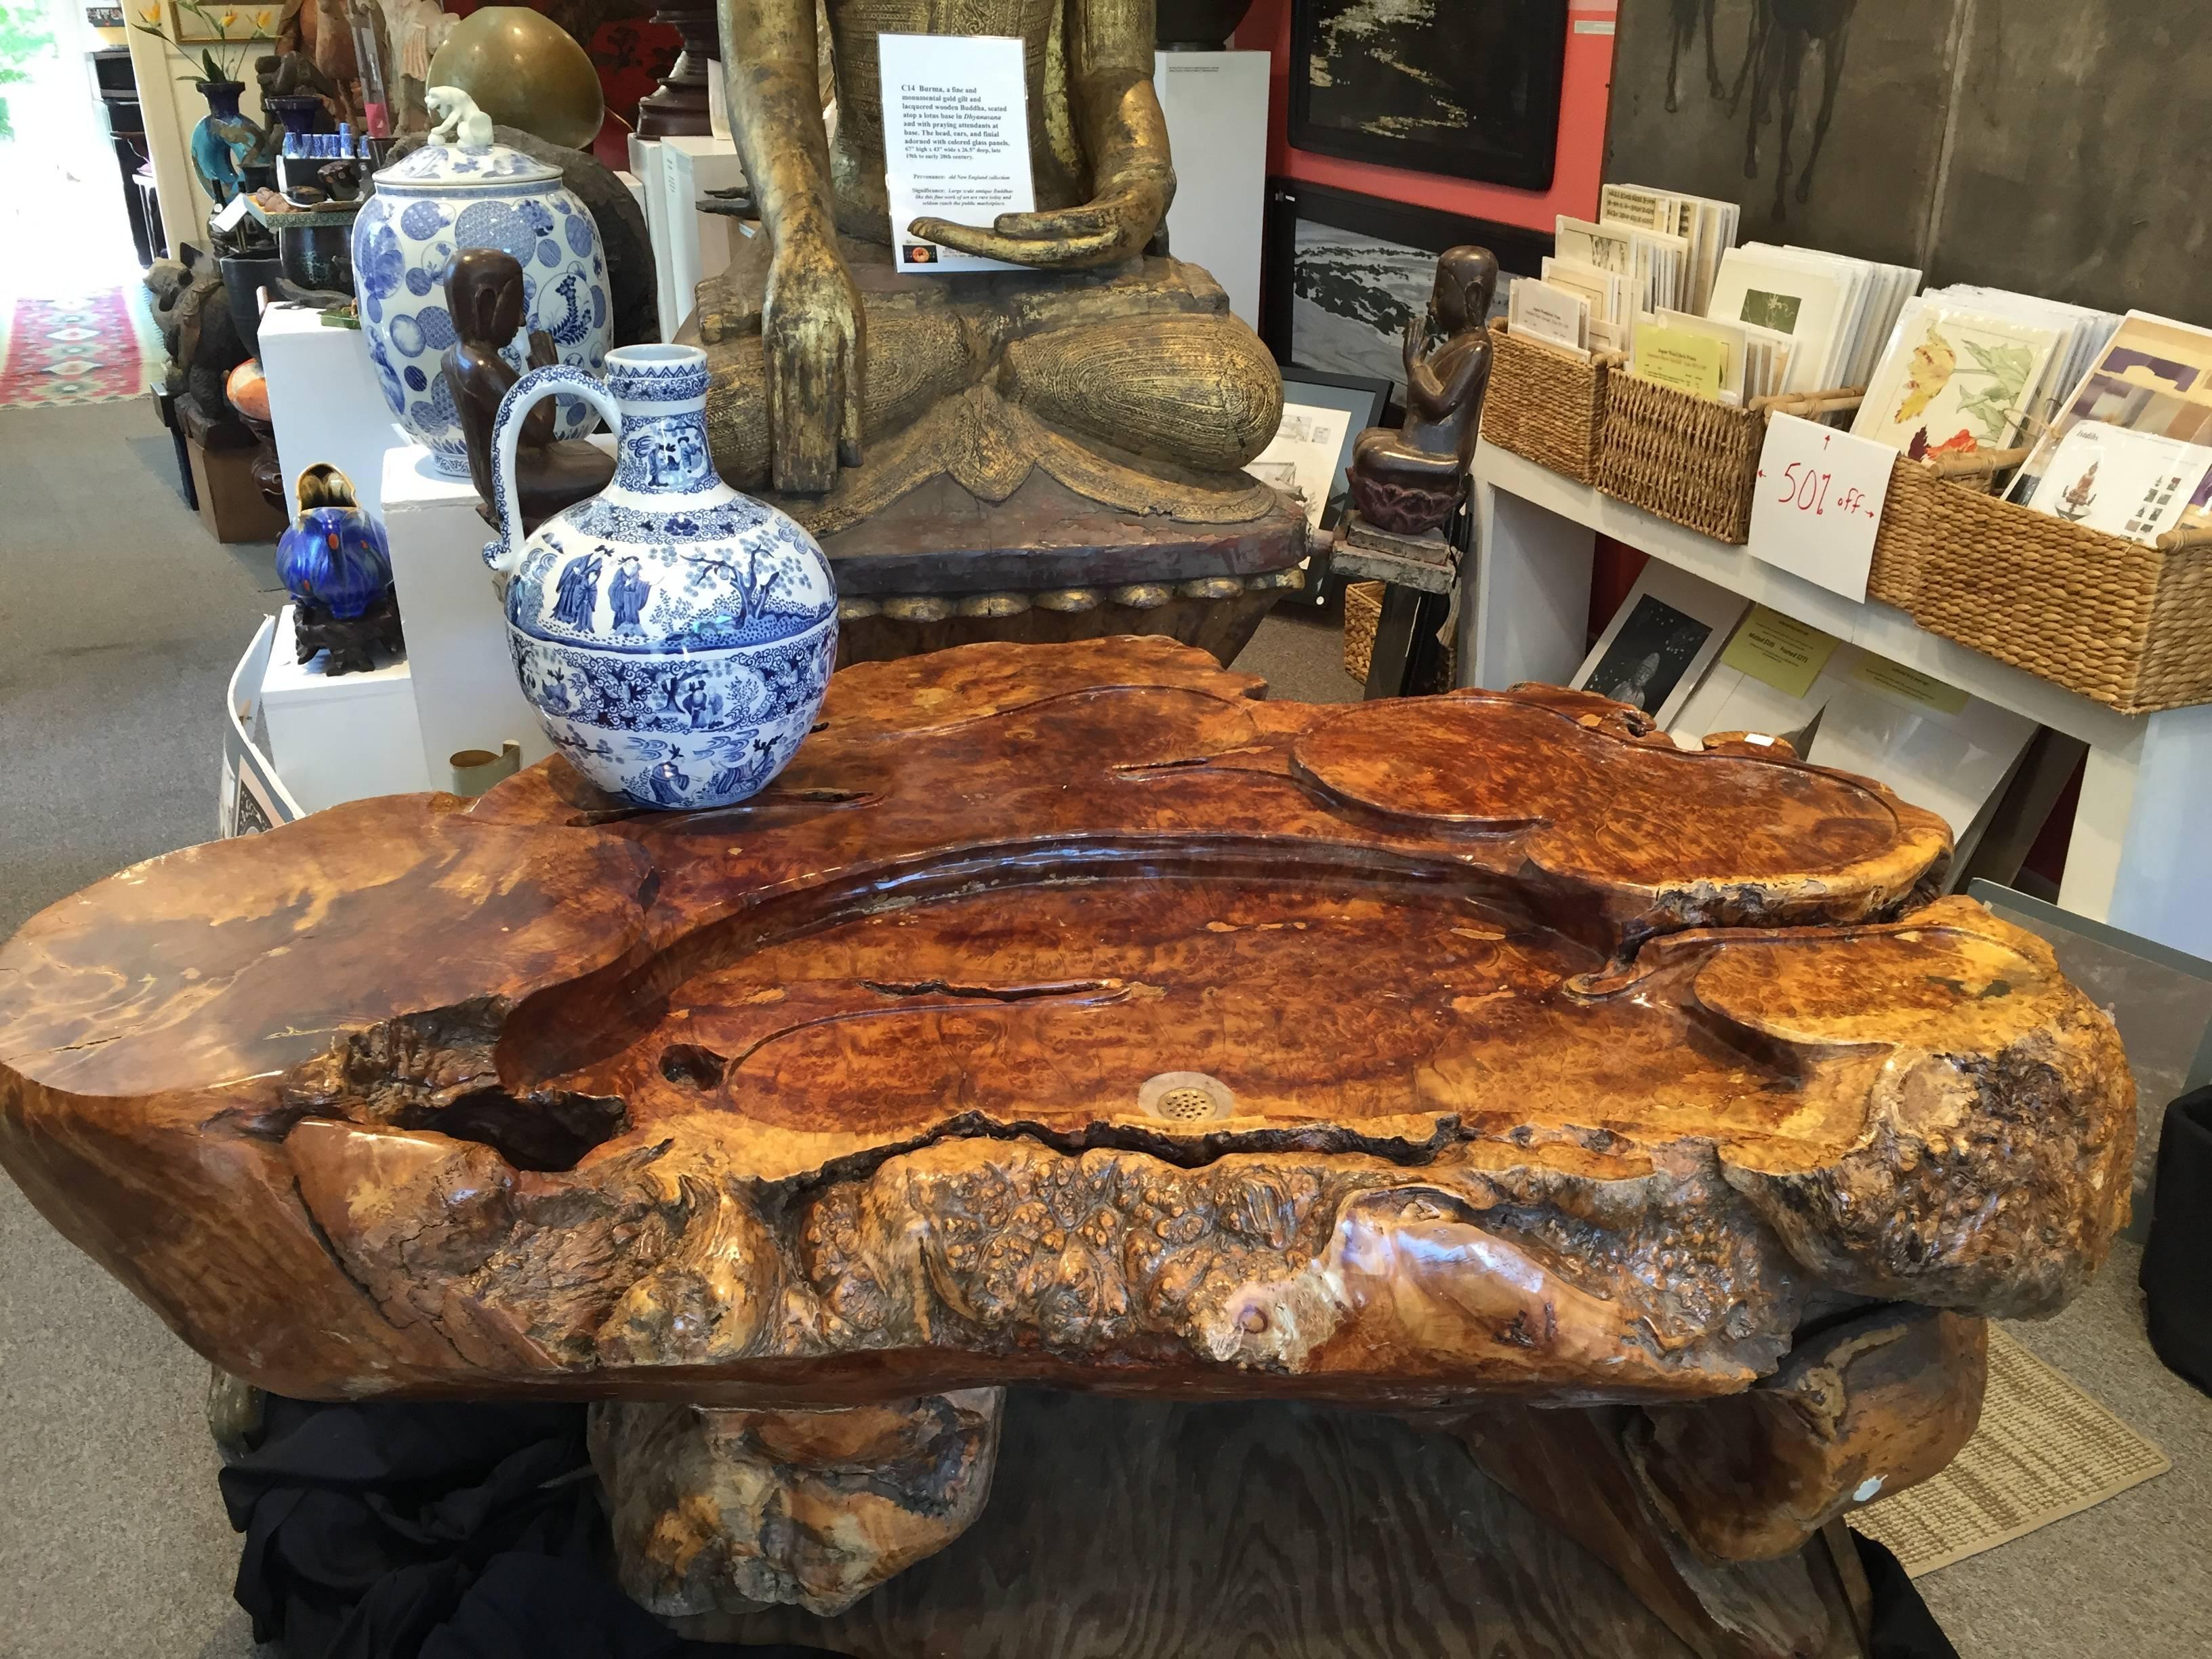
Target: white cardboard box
644, 161
1216, 105
466, 692
337, 738
698, 243
325, 402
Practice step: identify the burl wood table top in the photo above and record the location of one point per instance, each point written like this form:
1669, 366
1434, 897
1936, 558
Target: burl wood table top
1070, 1014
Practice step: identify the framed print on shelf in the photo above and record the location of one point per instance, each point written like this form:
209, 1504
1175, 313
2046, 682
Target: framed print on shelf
1467, 87
1324, 413
1342, 274
1657, 649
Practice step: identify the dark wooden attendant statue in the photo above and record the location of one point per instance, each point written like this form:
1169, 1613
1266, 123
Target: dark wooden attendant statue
483, 291
1409, 480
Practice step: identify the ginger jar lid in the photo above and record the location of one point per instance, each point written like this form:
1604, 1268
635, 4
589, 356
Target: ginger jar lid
462, 155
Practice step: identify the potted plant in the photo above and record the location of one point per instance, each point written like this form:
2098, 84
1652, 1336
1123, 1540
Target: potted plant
215, 46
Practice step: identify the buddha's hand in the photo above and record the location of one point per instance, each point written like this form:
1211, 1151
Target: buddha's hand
1114, 225
811, 336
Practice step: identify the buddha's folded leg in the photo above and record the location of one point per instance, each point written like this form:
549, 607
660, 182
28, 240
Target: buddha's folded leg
911, 364
1192, 391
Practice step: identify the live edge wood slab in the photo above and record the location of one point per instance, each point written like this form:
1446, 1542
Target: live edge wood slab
1072, 1016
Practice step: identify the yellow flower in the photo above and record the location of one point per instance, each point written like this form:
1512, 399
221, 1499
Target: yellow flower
152, 14
261, 21
227, 20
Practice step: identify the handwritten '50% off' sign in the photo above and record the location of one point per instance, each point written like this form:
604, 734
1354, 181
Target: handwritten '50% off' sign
1819, 503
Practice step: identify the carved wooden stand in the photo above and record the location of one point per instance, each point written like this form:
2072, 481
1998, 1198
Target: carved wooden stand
680, 105
352, 642
1069, 1016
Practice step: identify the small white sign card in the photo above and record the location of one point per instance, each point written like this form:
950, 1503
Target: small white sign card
1819, 503
956, 140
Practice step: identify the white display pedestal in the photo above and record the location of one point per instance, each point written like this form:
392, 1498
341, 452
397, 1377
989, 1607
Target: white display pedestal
645, 162
335, 738
325, 402
698, 243
1216, 103
2136, 857
465, 693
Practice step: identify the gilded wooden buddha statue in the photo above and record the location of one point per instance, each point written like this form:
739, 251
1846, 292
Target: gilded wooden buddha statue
842, 385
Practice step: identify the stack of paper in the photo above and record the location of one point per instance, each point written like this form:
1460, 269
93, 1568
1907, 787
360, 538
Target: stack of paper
1730, 362
1839, 312
1551, 314
1708, 227
2130, 450
1971, 368
2083, 333
1655, 263
1611, 312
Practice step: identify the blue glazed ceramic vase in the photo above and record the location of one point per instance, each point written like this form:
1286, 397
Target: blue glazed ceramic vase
333, 556
675, 636
426, 207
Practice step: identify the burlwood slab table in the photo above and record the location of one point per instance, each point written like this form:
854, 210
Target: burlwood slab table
1070, 1016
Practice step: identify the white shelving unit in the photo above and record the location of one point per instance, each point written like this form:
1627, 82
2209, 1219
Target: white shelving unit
2135, 860
466, 693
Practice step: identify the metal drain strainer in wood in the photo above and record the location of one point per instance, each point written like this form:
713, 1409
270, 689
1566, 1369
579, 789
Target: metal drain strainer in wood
1186, 1098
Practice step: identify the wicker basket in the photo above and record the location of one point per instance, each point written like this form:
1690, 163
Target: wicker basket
1544, 404
1363, 617
1688, 458
2126, 625
1901, 540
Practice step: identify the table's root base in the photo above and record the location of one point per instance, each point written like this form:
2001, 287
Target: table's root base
715, 1510
1154, 1531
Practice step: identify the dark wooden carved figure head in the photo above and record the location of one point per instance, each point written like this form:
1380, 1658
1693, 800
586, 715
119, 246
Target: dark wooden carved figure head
1467, 278
483, 290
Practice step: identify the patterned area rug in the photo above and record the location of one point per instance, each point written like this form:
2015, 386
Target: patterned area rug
2044, 1450
96, 349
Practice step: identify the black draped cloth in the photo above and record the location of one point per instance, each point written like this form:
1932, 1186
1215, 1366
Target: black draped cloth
476, 1532
434, 1532
2177, 1264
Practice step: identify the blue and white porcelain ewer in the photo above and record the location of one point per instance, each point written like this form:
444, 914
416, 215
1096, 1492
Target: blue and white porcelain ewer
675, 636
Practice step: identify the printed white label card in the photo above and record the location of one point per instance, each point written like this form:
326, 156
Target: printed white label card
1819, 503
956, 140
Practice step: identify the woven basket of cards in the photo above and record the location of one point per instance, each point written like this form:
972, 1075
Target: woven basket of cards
2125, 623
1544, 404
1688, 458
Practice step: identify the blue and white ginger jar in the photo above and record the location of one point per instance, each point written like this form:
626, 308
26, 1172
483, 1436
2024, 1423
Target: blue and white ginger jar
675, 636
427, 207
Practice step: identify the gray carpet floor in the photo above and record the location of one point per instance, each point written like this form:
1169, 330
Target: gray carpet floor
120, 620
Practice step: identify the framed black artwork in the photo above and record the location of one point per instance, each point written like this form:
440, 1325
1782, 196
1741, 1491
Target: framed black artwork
1469, 88
1343, 274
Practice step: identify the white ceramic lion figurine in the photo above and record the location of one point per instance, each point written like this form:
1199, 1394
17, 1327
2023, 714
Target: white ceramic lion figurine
459, 119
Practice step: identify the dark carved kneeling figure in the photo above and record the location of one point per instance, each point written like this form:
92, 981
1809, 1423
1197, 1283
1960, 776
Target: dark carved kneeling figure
1409, 480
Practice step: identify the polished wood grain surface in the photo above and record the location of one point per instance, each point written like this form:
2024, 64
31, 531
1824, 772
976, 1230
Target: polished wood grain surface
1532, 1057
